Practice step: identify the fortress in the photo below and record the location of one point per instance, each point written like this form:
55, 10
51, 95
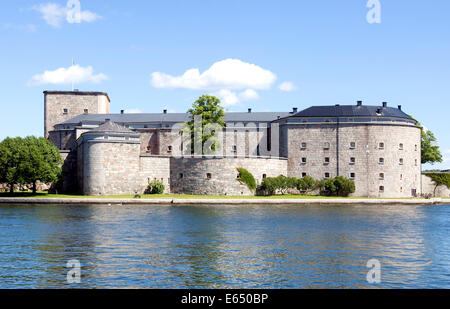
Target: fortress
379, 147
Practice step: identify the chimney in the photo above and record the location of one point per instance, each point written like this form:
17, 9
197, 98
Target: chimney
295, 110
384, 104
400, 107
249, 110
359, 103
122, 111
337, 105
107, 120
165, 111
379, 111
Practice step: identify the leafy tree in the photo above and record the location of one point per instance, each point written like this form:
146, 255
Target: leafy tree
246, 178
430, 150
306, 183
42, 163
155, 187
339, 186
212, 113
439, 179
12, 156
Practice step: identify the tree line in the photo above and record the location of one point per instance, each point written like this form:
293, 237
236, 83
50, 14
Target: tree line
29, 160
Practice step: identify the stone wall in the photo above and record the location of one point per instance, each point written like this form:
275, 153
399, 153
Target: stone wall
75, 102
155, 168
400, 180
428, 188
217, 176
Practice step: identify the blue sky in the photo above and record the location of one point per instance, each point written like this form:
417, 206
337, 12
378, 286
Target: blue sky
323, 51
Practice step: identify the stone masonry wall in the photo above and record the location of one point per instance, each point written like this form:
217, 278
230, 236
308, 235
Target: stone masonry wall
190, 175
428, 188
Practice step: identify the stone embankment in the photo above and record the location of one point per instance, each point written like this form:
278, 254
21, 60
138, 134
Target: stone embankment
25, 188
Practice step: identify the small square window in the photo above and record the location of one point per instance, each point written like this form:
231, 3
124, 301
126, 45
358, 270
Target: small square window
303, 160
381, 146
381, 189
264, 176
352, 161
327, 175
234, 148
208, 176
65, 111
381, 160
352, 145
304, 145
400, 161
327, 160
180, 176
381, 176
400, 146
86, 111
416, 147
352, 175
169, 149
326, 146
303, 175
401, 176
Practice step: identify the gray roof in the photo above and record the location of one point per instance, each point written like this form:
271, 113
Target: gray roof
171, 118
110, 126
352, 111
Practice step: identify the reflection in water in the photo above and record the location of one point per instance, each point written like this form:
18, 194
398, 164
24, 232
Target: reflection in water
224, 247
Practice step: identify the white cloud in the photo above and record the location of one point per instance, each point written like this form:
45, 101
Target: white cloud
133, 111
287, 86
249, 94
62, 76
54, 14
226, 74
227, 97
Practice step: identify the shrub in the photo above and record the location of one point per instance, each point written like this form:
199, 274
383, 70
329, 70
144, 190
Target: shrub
155, 187
246, 178
270, 186
306, 183
339, 186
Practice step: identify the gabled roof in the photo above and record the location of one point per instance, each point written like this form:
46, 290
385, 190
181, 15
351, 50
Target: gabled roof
170, 118
351, 111
110, 126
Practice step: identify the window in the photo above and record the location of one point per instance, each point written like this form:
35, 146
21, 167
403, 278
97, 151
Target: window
401, 176
416, 147
352, 161
416, 162
381, 146
381, 176
381, 189
303, 175
65, 111
401, 189
180, 176
352, 145
264, 176
208, 176
86, 111
327, 160
400, 146
169, 149
304, 145
234, 148
352, 175
381, 161
303, 160
326, 146
400, 161
327, 175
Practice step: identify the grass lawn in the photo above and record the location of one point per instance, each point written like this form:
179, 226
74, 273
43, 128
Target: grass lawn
170, 196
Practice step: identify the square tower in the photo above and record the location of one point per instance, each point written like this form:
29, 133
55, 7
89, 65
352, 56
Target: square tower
60, 106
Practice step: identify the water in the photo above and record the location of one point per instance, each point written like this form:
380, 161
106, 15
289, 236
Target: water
224, 247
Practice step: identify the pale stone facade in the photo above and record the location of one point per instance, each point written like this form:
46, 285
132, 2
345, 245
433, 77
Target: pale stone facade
378, 147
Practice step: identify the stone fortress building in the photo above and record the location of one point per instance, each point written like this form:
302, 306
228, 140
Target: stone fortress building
376, 146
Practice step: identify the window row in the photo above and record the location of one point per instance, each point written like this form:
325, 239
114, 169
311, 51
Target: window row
352, 161
352, 145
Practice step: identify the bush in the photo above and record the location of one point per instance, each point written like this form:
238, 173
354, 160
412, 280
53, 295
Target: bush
155, 187
270, 186
246, 178
339, 186
306, 183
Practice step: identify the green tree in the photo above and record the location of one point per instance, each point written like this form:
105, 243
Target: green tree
42, 162
430, 149
246, 178
212, 113
12, 156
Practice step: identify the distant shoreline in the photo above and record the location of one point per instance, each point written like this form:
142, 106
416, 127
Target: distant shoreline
217, 202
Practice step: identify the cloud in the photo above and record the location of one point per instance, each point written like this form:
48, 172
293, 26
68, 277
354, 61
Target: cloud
287, 86
226, 74
133, 111
61, 76
249, 94
54, 14
227, 97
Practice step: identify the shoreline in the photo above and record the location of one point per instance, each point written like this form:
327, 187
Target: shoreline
212, 202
